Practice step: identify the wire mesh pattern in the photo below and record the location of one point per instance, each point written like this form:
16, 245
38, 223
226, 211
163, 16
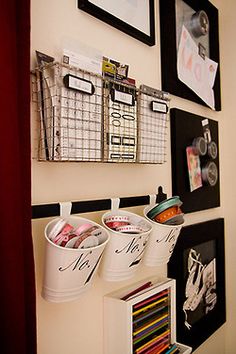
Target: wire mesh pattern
152, 127
84, 117
120, 122
70, 114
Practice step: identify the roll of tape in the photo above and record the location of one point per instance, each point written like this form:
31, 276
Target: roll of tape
165, 204
175, 220
200, 145
210, 173
82, 228
212, 150
168, 214
115, 224
66, 239
64, 232
117, 218
84, 235
199, 24
130, 229
56, 229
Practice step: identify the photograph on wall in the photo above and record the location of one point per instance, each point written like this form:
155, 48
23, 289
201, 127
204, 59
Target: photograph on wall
197, 264
200, 282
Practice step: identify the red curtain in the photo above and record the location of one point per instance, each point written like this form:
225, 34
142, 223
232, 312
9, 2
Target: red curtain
17, 294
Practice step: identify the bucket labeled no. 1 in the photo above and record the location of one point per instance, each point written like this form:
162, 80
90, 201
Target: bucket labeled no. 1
68, 271
125, 249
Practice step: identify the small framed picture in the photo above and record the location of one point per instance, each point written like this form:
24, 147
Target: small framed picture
194, 169
136, 18
198, 265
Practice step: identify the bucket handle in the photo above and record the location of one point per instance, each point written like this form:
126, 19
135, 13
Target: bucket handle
115, 203
152, 199
65, 209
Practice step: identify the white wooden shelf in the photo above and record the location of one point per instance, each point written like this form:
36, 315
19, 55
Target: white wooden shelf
119, 314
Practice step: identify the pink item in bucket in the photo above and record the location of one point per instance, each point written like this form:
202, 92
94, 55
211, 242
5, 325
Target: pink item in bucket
84, 235
82, 228
65, 231
67, 238
57, 229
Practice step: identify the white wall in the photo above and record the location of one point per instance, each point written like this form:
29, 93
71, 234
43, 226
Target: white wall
76, 327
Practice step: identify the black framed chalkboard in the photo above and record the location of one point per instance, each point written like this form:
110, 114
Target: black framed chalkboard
168, 29
185, 127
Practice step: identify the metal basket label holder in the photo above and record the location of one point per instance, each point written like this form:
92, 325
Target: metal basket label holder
84, 117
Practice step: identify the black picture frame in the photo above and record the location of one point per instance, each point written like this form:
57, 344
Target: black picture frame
207, 240
186, 126
116, 22
170, 81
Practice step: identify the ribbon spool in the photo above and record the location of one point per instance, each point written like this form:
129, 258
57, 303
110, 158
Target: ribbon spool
167, 212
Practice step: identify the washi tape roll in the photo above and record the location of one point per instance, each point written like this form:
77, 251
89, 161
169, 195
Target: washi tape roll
199, 24
175, 220
210, 173
130, 229
82, 228
165, 204
200, 145
84, 235
212, 150
67, 238
57, 229
64, 232
167, 214
114, 225
116, 218
71, 242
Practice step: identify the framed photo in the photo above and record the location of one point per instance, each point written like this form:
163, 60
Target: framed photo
207, 195
136, 18
187, 69
198, 265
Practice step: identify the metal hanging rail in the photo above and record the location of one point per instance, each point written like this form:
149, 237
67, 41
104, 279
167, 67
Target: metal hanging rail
87, 206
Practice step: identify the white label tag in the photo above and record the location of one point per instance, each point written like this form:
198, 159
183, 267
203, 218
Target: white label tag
159, 107
123, 97
81, 85
205, 122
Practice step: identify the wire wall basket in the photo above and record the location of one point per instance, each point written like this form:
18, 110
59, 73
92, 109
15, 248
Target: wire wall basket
152, 127
120, 122
84, 117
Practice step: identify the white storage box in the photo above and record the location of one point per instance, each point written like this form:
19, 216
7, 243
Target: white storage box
151, 310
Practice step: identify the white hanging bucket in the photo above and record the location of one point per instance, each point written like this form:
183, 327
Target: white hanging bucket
124, 252
68, 272
161, 242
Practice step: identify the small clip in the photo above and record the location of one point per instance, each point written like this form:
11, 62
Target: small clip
65, 209
202, 51
115, 203
152, 199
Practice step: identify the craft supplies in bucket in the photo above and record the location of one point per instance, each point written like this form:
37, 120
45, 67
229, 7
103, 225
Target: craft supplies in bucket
74, 247
128, 237
167, 220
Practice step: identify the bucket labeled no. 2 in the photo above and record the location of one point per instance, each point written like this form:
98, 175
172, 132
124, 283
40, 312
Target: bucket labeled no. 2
126, 247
